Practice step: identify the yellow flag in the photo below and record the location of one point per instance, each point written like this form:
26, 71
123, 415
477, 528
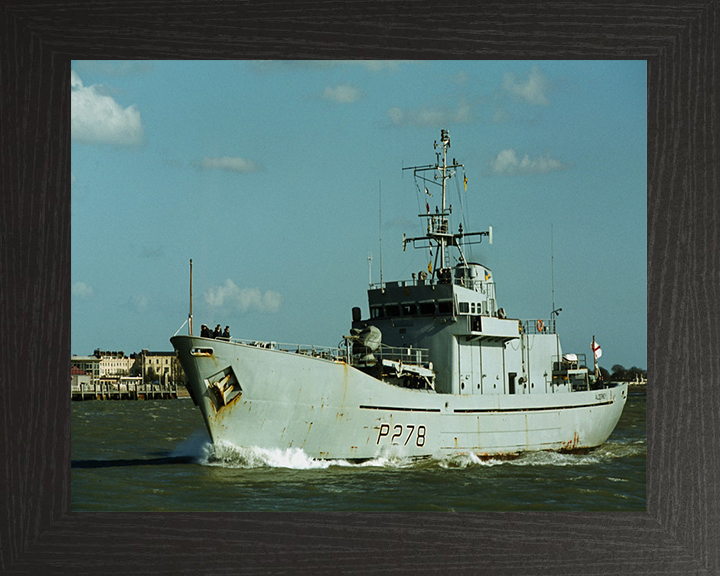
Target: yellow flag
430, 267
465, 183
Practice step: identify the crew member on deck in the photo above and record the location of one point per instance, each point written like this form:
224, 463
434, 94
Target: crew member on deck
205, 331
226, 333
218, 332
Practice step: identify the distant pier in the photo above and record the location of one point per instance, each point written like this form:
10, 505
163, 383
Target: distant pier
132, 391
637, 386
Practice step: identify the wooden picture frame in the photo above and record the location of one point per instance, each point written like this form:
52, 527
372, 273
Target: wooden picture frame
681, 528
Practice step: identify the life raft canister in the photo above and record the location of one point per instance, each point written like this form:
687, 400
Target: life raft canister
540, 325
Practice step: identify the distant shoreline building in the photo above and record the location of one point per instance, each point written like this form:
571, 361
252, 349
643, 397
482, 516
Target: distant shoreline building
164, 365
116, 370
113, 363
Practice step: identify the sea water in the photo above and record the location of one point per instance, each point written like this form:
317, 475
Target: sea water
156, 455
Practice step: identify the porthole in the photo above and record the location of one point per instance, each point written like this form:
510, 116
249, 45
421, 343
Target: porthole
201, 352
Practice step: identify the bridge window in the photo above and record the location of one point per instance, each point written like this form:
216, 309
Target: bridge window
463, 307
409, 309
393, 310
445, 307
427, 308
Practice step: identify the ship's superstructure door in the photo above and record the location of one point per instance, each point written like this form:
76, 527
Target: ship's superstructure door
511, 382
469, 367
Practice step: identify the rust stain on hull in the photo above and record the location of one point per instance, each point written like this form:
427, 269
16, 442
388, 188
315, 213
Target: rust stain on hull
573, 446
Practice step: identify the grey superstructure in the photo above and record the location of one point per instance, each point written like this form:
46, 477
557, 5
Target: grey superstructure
436, 369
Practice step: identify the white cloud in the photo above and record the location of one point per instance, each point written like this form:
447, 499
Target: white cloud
97, 119
75, 81
531, 91
242, 165
423, 117
245, 299
139, 303
507, 163
344, 94
501, 116
82, 291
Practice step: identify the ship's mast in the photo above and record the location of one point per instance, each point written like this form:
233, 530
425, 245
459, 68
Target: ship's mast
438, 228
445, 143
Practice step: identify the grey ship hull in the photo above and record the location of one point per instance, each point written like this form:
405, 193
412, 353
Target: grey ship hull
254, 396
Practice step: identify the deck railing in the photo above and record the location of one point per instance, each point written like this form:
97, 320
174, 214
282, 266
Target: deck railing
326, 352
477, 284
405, 354
538, 326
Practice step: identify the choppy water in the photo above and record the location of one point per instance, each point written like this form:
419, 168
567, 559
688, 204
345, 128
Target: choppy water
155, 455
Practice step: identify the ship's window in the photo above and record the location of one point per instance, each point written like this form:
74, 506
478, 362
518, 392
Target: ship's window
427, 307
445, 307
392, 310
409, 309
472, 308
463, 307
376, 312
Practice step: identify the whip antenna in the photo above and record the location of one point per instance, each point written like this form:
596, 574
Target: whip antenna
190, 326
380, 228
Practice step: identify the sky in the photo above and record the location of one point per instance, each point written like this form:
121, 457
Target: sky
279, 179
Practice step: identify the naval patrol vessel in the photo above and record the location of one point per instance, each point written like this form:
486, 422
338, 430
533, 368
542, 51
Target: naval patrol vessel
436, 369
